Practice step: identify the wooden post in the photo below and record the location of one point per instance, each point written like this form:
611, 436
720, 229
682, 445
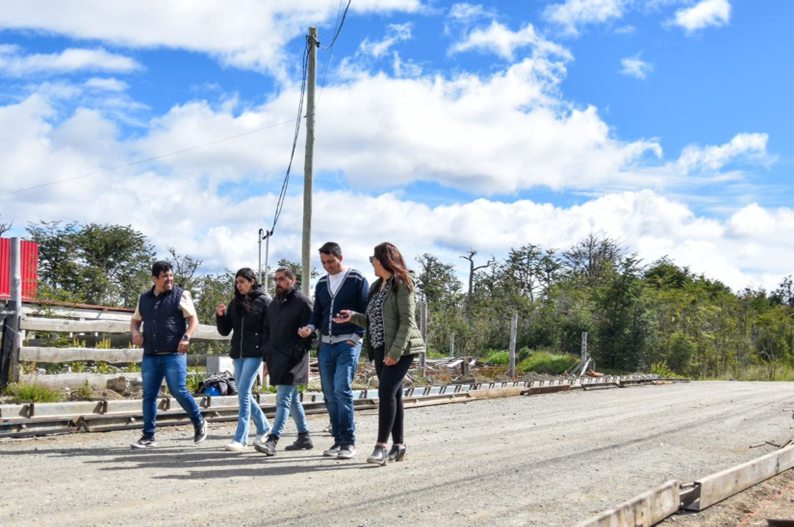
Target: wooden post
423, 329
9, 357
513, 333
306, 266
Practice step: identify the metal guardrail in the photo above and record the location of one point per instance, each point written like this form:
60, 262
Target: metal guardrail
31, 419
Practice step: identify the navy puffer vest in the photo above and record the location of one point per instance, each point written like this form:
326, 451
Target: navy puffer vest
163, 321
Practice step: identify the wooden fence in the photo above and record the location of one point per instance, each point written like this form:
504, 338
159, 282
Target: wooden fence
75, 321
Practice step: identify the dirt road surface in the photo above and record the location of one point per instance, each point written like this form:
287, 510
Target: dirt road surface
541, 460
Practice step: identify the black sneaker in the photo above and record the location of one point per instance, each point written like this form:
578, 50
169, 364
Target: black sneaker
268, 448
143, 442
333, 451
304, 442
200, 432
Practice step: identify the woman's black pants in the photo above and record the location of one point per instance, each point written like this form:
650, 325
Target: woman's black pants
390, 397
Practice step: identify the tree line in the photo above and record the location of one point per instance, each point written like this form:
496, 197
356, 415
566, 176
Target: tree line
638, 317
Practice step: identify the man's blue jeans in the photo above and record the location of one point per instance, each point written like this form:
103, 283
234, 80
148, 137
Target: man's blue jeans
172, 368
338, 363
245, 370
288, 398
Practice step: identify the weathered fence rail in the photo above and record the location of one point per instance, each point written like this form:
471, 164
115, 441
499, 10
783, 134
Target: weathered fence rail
76, 321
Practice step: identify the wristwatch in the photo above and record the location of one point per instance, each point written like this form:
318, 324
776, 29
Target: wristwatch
186, 338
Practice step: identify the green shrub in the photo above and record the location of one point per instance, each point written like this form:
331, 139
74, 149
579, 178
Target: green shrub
103, 367
192, 381
36, 393
83, 392
546, 362
433, 353
499, 357
523, 353
662, 370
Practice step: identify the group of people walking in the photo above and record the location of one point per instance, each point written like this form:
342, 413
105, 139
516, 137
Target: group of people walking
347, 314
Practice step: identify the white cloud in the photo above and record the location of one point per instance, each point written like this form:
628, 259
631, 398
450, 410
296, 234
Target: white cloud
572, 14
753, 247
16, 64
635, 67
243, 33
465, 13
494, 134
704, 14
395, 33
746, 147
405, 68
503, 42
106, 84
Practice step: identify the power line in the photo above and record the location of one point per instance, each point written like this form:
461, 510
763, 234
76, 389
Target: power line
339, 27
147, 160
330, 51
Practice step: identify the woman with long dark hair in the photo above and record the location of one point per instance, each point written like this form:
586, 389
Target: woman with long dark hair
246, 316
392, 340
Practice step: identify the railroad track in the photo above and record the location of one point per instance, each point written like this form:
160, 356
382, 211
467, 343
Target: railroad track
40, 419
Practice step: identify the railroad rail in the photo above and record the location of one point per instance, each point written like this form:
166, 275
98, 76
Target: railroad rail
38, 419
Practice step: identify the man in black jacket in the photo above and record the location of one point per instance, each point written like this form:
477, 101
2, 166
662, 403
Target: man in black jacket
287, 360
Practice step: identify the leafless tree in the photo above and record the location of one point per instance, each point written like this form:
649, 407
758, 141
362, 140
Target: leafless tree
4, 227
472, 268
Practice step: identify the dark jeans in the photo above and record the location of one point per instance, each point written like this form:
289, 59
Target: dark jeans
390, 397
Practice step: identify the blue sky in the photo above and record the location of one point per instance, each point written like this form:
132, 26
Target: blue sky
441, 126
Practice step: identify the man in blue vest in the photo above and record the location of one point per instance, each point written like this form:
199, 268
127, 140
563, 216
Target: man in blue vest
169, 320
340, 344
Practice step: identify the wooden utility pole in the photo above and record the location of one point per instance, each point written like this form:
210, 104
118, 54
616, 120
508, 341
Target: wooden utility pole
311, 74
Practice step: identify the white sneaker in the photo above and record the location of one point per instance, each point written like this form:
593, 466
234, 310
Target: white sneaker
234, 446
260, 439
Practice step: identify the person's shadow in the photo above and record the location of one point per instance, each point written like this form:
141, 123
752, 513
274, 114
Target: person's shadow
201, 462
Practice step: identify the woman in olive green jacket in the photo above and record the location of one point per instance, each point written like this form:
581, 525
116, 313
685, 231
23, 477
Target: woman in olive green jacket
392, 340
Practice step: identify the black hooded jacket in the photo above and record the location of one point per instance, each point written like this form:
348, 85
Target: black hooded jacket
246, 315
287, 354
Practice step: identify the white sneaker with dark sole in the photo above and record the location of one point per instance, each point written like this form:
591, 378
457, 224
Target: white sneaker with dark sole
333, 451
346, 452
234, 446
142, 443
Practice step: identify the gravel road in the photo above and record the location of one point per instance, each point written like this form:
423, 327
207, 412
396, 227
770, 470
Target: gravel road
547, 460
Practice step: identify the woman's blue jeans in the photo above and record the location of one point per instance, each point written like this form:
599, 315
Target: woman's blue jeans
245, 370
288, 398
173, 368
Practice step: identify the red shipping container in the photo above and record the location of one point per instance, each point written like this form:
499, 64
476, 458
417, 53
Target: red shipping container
29, 261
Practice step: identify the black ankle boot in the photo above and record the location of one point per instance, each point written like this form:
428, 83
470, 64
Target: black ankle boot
378, 456
397, 453
304, 442
268, 448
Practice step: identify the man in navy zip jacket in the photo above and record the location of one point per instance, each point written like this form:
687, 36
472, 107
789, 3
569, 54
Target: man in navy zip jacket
340, 344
